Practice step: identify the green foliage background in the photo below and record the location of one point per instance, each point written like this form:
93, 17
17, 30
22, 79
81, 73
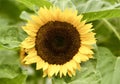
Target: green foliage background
103, 69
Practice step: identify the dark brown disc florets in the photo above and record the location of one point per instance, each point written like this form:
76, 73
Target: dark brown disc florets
57, 42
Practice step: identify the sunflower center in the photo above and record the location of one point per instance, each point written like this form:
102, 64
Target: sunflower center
57, 42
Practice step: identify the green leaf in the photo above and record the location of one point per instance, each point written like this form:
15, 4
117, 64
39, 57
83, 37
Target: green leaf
10, 9
106, 39
111, 13
12, 75
87, 75
9, 56
20, 79
35, 4
113, 1
11, 35
116, 74
58, 81
9, 71
105, 64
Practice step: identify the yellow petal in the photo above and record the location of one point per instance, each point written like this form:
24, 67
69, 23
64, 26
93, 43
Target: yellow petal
85, 29
40, 64
22, 55
29, 42
45, 73
29, 31
45, 66
77, 58
90, 55
30, 59
88, 38
68, 66
76, 21
70, 73
85, 50
31, 55
72, 17
32, 27
44, 15
63, 70
83, 57
51, 70
58, 14
69, 14
57, 69
73, 64
82, 23
37, 20
78, 66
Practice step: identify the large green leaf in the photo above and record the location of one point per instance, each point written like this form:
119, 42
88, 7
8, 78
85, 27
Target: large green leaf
110, 13
11, 33
105, 64
106, 31
12, 75
113, 1
9, 56
10, 71
88, 75
35, 4
11, 36
20, 79
10, 9
116, 74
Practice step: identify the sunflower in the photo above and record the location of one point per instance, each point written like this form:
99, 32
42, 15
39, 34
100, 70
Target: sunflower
58, 41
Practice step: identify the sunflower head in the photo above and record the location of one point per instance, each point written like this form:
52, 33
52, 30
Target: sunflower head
58, 41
